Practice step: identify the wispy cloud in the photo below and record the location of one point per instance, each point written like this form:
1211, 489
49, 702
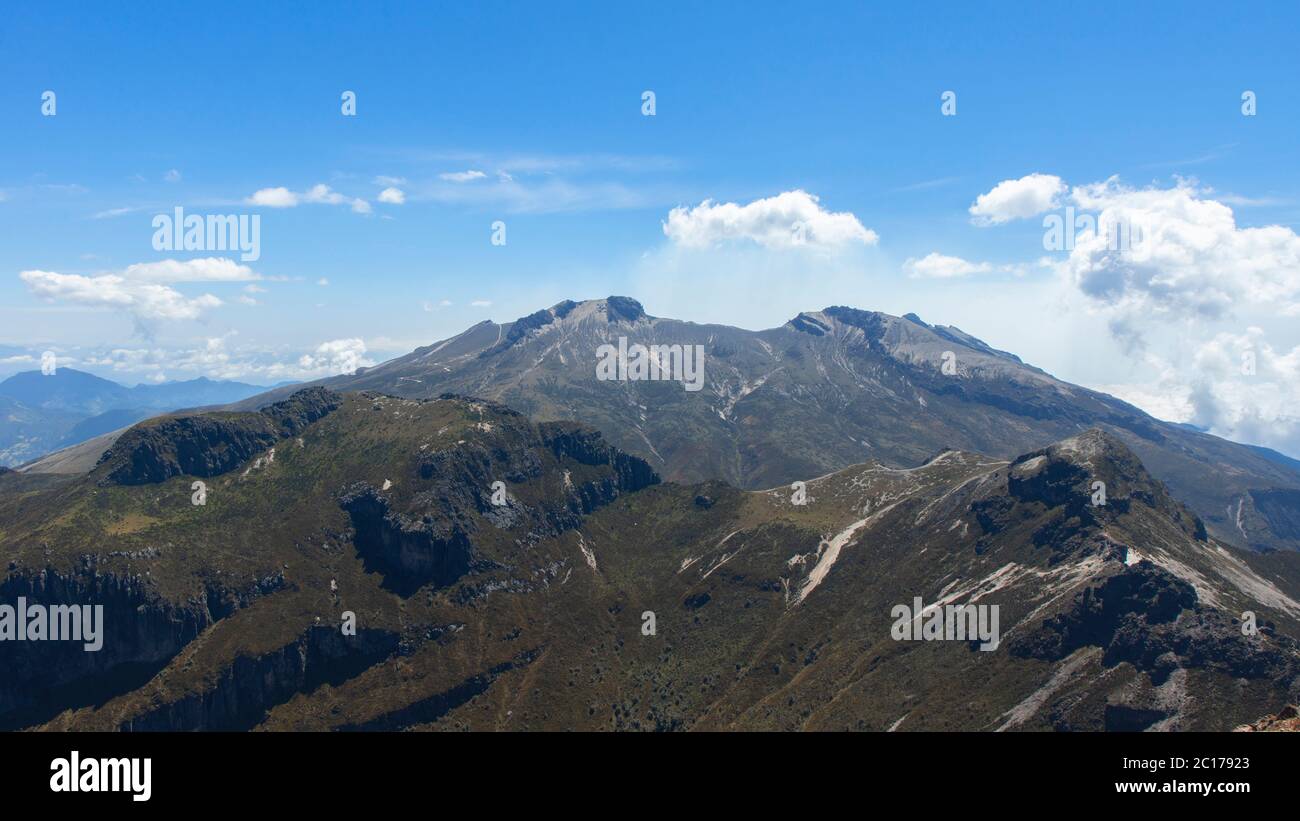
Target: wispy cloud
462, 176
1200, 159
926, 185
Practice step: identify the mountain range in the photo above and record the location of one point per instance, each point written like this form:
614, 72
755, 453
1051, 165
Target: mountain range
826, 390
501, 573
40, 412
430, 544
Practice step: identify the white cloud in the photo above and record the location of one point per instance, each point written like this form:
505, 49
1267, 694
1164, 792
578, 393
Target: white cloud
462, 176
387, 181
1026, 197
143, 290
788, 220
1172, 273
1219, 394
338, 356
322, 282
208, 269
1188, 256
172, 176
481, 303
217, 358
280, 197
322, 193
393, 196
145, 301
939, 266
319, 194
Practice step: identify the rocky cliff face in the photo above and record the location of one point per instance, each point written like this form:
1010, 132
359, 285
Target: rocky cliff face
428, 534
207, 445
141, 632
1147, 617
248, 688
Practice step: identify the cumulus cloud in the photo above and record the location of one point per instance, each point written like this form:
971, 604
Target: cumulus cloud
280, 197
940, 266
462, 176
1171, 272
144, 290
1246, 390
788, 220
338, 356
1026, 197
1187, 256
392, 196
319, 194
143, 300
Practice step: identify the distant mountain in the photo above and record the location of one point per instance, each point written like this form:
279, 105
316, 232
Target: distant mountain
67, 390
103, 423
825, 390
40, 413
508, 574
26, 433
80, 392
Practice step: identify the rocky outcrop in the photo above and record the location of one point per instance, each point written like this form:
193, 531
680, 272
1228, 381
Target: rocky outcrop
186, 445
301, 409
208, 445
248, 688
1149, 618
1085, 481
140, 634
1287, 720
525, 325
410, 550
624, 308
429, 536
590, 448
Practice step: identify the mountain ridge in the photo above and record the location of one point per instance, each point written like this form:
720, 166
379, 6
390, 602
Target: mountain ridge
769, 611
824, 390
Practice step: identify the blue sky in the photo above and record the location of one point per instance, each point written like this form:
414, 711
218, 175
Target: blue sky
159, 107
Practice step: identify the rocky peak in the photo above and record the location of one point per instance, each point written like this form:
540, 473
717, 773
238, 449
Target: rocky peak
611, 309
1069, 472
624, 309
